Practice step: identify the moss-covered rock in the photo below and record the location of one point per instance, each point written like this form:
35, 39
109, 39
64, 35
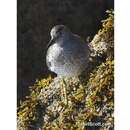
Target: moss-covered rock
90, 97
103, 41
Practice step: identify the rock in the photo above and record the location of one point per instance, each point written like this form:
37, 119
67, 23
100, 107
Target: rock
90, 96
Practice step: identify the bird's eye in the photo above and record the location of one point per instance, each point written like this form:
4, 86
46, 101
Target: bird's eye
59, 32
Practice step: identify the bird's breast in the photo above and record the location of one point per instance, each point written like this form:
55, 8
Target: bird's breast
55, 50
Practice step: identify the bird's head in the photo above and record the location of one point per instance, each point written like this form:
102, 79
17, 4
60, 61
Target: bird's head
58, 32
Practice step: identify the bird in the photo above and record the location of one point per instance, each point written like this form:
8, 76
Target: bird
67, 53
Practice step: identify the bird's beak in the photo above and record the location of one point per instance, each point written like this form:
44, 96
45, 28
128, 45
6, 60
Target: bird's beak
50, 43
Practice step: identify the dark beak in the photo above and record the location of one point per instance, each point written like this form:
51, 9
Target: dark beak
50, 43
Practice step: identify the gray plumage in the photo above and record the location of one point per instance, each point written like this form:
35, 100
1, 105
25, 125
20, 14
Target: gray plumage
67, 53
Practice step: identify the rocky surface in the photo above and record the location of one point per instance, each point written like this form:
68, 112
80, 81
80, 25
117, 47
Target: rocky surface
90, 96
35, 20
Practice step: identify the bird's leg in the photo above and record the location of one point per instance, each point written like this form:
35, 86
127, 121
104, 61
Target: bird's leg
65, 92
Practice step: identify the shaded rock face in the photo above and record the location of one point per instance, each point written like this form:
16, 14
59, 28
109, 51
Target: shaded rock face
35, 20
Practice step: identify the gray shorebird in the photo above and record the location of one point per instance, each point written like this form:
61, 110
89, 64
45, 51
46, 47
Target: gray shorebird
67, 53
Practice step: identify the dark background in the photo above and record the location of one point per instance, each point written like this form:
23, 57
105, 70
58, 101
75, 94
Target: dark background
35, 18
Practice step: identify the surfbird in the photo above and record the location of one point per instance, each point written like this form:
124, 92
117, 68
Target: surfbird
67, 53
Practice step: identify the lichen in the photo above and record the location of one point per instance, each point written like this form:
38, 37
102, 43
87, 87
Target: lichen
103, 41
27, 109
90, 96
